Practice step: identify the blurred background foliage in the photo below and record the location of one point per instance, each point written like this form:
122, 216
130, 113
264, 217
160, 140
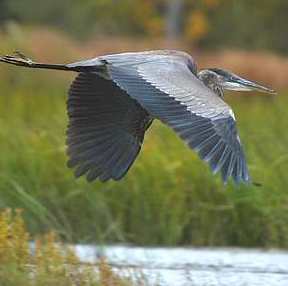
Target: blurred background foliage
203, 23
169, 197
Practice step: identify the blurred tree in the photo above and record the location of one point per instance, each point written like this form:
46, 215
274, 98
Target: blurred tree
205, 23
249, 24
174, 15
4, 11
197, 24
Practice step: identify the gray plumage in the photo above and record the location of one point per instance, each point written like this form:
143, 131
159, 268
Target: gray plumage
115, 98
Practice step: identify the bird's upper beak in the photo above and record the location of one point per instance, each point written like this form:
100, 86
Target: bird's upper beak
240, 84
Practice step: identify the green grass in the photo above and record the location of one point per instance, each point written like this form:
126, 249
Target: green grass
168, 197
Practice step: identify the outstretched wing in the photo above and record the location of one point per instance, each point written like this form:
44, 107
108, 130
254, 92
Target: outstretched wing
166, 86
106, 128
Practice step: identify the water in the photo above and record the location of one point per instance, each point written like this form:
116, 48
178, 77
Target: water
197, 266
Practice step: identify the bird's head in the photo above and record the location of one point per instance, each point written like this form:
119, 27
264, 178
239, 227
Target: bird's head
219, 80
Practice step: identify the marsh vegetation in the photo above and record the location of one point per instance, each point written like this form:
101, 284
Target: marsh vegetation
169, 197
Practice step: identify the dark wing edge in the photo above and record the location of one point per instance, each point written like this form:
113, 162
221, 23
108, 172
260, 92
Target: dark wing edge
106, 128
212, 134
216, 142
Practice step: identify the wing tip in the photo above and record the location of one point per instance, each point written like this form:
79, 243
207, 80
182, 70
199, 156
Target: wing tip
238, 173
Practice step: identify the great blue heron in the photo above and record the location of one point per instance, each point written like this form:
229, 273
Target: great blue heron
115, 98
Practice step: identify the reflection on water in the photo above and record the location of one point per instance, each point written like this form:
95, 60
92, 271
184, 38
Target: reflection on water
197, 266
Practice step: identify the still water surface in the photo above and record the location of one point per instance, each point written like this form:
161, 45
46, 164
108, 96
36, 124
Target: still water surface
197, 266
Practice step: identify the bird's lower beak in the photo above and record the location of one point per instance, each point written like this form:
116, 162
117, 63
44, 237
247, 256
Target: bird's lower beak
241, 84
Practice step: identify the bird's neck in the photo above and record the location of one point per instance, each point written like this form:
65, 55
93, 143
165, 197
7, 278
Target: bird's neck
214, 86
218, 90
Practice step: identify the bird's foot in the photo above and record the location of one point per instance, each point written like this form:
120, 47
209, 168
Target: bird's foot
17, 59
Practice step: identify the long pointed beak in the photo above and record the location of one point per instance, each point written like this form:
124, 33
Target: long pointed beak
240, 84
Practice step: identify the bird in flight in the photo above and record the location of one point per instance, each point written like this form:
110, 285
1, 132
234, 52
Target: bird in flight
115, 98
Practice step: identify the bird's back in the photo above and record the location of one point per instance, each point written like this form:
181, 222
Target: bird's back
137, 58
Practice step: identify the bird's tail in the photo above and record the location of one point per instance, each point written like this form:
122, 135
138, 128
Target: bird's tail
18, 59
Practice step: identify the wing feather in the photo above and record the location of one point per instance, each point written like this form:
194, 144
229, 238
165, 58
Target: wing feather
166, 86
106, 128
